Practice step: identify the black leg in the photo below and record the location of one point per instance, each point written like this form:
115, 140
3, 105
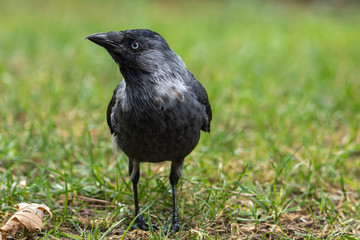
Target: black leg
175, 174
139, 222
134, 172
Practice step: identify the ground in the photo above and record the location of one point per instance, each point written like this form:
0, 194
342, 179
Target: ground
281, 161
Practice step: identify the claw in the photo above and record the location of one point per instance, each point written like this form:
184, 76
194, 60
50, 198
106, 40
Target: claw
174, 228
141, 224
155, 228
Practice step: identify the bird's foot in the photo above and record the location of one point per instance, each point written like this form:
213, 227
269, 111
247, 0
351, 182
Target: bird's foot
174, 228
141, 224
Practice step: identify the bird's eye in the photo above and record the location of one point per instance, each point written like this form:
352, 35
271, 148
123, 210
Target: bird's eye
135, 45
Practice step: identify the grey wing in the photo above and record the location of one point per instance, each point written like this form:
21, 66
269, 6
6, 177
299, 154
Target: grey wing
109, 111
203, 98
112, 103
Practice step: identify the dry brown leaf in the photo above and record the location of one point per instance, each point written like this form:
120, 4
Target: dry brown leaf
11, 226
28, 215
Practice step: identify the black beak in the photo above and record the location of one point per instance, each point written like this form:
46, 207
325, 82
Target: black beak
103, 40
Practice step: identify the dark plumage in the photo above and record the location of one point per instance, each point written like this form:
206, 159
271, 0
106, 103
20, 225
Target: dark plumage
157, 111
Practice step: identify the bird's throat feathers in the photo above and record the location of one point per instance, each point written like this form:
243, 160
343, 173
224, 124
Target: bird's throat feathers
147, 97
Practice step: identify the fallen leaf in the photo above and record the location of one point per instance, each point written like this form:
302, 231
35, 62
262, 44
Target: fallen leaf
28, 216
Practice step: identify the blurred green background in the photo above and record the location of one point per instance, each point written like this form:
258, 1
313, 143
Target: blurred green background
283, 82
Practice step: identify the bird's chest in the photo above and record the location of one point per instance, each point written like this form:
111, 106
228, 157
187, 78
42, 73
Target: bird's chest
154, 135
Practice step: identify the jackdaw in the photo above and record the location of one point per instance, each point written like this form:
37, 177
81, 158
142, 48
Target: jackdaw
157, 111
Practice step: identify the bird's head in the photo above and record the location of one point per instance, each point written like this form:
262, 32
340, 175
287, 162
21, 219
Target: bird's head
139, 51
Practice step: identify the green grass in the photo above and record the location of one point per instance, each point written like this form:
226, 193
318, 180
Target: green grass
282, 160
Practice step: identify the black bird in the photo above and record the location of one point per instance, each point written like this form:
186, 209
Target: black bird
157, 110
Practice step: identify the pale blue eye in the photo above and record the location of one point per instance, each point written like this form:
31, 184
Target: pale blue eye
135, 45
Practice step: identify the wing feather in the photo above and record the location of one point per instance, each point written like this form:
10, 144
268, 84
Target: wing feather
112, 103
203, 98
